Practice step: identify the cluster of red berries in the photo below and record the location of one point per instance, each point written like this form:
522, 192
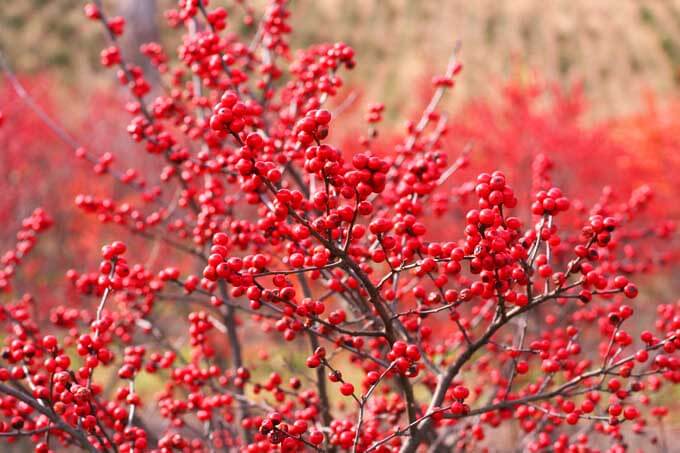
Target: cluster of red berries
232, 115
37, 222
315, 360
368, 176
279, 432
314, 73
133, 359
375, 112
550, 202
492, 190
404, 356
313, 127
154, 52
201, 324
275, 22
110, 56
458, 407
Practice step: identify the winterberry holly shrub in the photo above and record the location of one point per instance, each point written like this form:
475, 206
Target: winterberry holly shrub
364, 298
38, 170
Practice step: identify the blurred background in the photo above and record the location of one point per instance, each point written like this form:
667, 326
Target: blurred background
617, 48
580, 80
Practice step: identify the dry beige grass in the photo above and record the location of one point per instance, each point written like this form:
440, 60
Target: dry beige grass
618, 47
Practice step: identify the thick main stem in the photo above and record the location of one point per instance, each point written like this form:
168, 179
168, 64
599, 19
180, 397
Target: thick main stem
321, 385
452, 371
236, 356
352, 267
322, 388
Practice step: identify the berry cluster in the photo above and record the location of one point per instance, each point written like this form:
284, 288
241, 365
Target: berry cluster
37, 222
232, 115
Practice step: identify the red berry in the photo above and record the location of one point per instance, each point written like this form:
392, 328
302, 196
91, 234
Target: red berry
347, 389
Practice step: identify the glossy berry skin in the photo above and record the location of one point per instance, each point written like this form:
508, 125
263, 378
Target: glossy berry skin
347, 389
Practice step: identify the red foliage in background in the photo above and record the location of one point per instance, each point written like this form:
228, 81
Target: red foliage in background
539, 118
37, 171
471, 275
